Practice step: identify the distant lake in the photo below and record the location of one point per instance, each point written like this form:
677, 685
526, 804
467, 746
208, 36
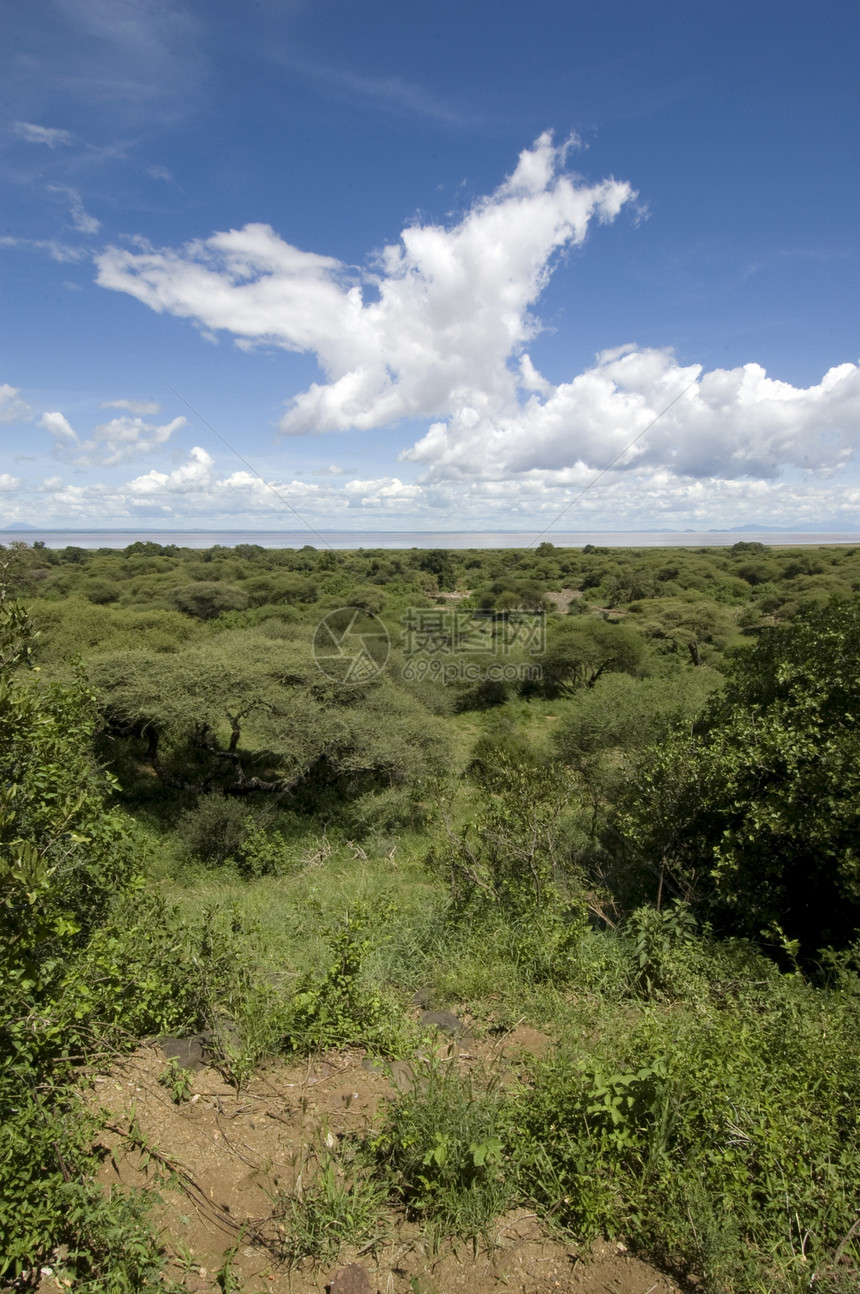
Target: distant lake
425, 538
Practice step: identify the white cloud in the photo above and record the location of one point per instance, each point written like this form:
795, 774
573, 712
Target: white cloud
9, 483
197, 473
11, 408
125, 438
133, 406
452, 304
82, 221
444, 336
59, 427
386, 494
199, 493
57, 251
118, 441
731, 424
48, 135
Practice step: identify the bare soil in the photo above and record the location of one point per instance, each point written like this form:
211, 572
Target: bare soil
219, 1159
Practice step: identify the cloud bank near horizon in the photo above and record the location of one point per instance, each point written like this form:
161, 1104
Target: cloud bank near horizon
198, 492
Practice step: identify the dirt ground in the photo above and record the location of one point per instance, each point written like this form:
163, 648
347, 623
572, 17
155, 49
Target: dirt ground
219, 1160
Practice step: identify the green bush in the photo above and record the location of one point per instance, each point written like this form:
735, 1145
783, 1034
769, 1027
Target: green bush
441, 1149
721, 1134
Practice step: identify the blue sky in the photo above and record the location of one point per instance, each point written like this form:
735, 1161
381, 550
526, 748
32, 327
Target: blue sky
430, 267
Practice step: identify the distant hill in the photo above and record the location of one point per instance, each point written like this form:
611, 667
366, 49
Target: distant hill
20, 525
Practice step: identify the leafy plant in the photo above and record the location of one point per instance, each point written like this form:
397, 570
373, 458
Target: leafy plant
178, 1081
340, 1009
442, 1148
341, 1205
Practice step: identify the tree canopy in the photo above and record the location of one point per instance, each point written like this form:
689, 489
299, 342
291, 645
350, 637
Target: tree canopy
758, 814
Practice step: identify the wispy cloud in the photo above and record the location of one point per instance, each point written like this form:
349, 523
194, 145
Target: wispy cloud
82, 221
59, 427
133, 406
50, 136
391, 94
12, 409
141, 55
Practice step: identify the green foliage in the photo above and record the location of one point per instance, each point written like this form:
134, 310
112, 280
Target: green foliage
340, 1205
246, 713
340, 1009
208, 599
607, 725
757, 815
214, 828
178, 1081
508, 866
656, 934
721, 1134
63, 860
49, 1198
581, 649
442, 1149
699, 1103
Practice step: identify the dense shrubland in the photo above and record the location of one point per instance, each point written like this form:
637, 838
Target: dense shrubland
649, 851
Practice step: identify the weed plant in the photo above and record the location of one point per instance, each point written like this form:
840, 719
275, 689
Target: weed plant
440, 1150
336, 1202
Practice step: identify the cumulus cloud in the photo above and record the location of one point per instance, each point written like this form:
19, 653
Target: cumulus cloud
11, 408
199, 493
727, 423
385, 494
47, 135
9, 483
117, 441
125, 438
59, 427
450, 305
439, 329
198, 472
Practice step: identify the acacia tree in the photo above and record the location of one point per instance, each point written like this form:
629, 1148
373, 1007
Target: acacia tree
581, 649
757, 814
245, 712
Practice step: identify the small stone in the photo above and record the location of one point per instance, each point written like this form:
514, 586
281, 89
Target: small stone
444, 1020
351, 1280
189, 1053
